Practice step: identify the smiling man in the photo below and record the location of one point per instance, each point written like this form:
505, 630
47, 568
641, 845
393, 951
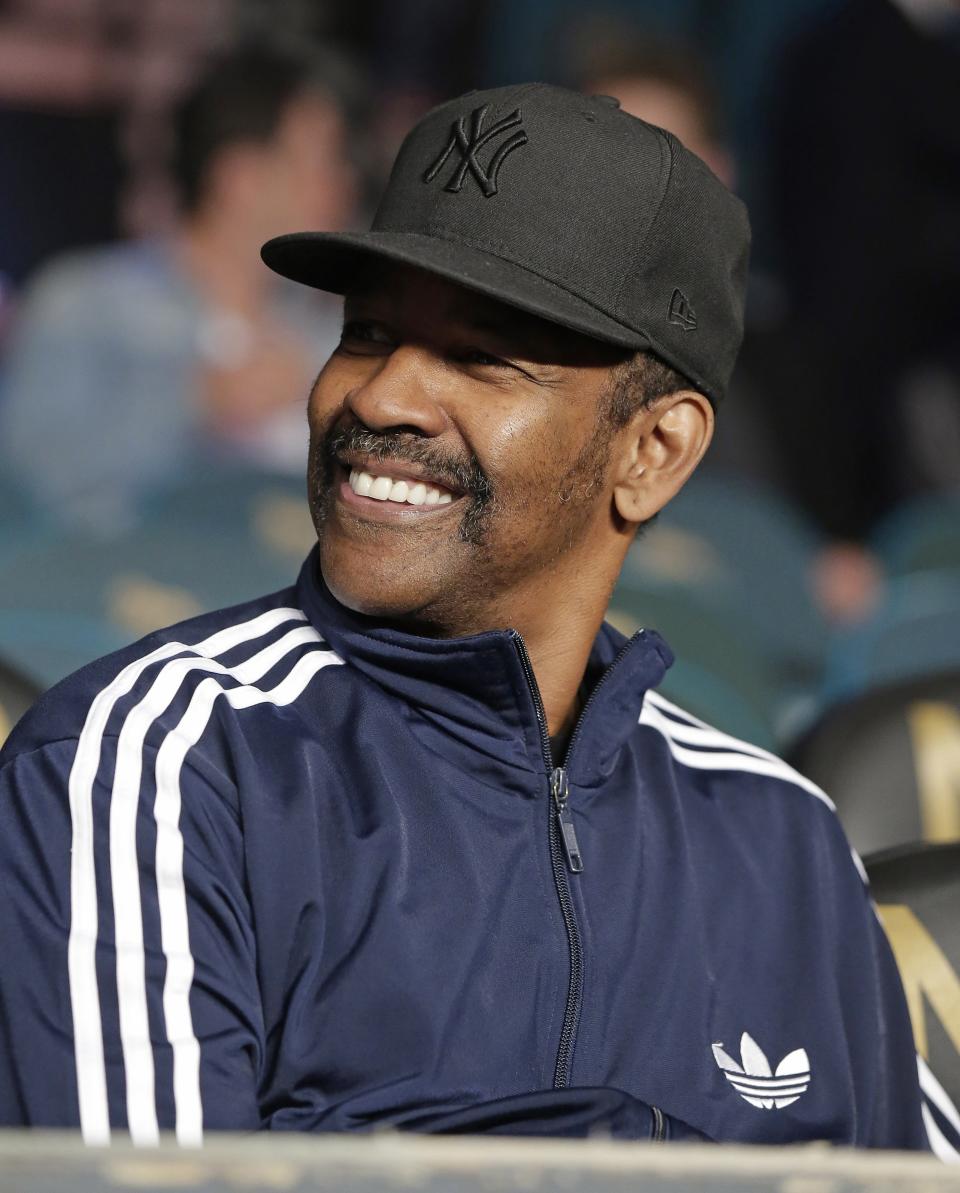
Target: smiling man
475, 467
416, 842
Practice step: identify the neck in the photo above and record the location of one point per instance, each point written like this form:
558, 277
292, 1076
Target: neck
559, 662
559, 618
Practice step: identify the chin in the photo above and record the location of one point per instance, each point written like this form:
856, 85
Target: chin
371, 591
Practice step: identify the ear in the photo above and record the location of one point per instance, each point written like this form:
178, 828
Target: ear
662, 445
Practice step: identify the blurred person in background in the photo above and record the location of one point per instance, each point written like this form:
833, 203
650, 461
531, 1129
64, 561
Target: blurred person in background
133, 363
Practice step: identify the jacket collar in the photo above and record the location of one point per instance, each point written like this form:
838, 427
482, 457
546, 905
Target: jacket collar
471, 698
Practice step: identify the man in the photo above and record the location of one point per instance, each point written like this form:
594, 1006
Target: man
416, 842
132, 364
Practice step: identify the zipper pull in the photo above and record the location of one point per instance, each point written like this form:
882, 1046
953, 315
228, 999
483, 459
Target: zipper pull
560, 790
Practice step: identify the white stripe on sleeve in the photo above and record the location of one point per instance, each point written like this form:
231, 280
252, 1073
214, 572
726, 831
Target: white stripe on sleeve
941, 1146
125, 868
695, 732
934, 1092
81, 948
736, 756
170, 882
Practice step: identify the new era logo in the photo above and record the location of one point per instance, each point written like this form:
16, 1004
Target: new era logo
681, 312
470, 146
753, 1079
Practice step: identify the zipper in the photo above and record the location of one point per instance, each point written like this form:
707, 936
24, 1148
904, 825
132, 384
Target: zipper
565, 854
571, 1014
560, 790
559, 783
557, 807
659, 1125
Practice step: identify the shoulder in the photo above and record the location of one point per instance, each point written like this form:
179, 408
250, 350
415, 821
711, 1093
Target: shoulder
699, 746
740, 801
108, 276
732, 770
262, 651
82, 268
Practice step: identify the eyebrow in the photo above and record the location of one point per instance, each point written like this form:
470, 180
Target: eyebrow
515, 329
496, 325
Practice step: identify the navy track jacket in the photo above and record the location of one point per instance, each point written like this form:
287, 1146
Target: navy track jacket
277, 867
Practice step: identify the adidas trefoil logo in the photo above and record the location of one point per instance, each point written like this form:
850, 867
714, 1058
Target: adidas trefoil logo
753, 1080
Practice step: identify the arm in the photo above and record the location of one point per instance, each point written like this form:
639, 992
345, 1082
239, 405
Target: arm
132, 1003
880, 1047
896, 1121
128, 994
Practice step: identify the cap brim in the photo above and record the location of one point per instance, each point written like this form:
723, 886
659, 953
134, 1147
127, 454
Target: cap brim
331, 261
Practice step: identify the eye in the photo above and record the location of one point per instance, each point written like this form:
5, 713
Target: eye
489, 366
361, 336
476, 356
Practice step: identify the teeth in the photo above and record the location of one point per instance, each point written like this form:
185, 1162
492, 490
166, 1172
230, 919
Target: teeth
385, 488
380, 489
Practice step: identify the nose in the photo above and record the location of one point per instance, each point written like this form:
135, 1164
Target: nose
404, 393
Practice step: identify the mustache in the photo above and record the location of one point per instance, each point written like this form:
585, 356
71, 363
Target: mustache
464, 476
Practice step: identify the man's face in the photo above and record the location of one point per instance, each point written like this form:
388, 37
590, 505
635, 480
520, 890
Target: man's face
484, 428
307, 179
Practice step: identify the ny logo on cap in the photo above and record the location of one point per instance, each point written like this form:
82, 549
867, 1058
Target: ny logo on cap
470, 147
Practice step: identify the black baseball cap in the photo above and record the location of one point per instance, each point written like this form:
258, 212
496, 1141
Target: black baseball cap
562, 205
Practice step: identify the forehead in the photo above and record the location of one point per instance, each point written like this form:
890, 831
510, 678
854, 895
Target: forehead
414, 295
312, 115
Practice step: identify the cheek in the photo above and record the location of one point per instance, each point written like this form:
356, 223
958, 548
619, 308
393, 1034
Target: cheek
519, 446
526, 457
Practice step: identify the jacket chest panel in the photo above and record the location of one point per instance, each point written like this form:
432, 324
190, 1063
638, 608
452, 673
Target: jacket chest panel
679, 958
413, 939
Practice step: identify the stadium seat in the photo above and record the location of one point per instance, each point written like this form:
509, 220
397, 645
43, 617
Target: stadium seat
271, 509
921, 536
47, 644
17, 693
221, 540
917, 891
15, 506
915, 632
890, 759
747, 554
20, 524
718, 676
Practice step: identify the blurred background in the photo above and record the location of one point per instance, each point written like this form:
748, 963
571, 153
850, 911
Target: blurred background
153, 373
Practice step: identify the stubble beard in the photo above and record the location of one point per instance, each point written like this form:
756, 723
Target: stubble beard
492, 567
